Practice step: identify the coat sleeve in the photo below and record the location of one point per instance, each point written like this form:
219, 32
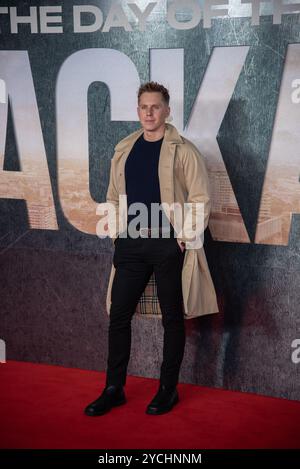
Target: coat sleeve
196, 214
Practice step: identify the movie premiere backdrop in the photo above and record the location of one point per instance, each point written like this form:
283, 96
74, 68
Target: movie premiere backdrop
69, 74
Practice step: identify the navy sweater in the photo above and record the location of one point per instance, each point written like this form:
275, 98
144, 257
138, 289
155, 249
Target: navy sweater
141, 175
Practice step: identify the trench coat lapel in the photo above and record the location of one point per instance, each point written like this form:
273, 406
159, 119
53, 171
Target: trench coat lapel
165, 173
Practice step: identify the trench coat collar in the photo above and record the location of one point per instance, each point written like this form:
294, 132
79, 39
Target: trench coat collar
171, 136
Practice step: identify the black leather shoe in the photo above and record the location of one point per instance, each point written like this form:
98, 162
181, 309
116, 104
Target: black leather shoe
111, 396
163, 401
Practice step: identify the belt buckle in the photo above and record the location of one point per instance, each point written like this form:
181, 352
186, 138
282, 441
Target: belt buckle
146, 231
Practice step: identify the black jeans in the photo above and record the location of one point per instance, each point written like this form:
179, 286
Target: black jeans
134, 261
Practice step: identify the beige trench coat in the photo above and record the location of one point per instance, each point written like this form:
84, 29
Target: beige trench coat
183, 178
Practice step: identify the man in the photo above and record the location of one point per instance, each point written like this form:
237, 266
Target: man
143, 160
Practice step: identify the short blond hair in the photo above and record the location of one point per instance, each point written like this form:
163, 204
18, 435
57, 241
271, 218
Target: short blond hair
153, 86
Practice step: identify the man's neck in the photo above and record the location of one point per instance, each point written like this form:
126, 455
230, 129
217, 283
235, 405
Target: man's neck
154, 136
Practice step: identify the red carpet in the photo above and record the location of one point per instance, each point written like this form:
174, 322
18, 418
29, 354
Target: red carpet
41, 406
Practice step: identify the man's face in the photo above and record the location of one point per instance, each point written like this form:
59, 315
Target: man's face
152, 110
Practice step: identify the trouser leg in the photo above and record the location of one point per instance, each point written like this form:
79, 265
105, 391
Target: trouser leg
131, 277
168, 271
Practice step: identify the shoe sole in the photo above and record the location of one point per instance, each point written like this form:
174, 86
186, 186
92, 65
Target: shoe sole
96, 414
150, 411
